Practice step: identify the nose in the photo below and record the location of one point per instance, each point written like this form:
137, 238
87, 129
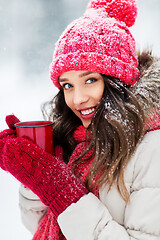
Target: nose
80, 96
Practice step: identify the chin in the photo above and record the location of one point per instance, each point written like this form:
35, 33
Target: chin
86, 124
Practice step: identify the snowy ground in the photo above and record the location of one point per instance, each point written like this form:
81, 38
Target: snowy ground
22, 94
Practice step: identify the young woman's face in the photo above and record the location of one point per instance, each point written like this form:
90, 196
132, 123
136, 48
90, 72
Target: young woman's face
83, 91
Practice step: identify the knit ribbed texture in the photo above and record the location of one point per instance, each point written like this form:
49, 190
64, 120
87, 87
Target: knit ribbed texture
48, 228
47, 176
99, 41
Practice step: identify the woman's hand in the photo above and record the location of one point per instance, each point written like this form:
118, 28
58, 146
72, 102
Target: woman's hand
46, 175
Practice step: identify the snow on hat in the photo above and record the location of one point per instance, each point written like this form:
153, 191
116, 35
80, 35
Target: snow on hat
99, 41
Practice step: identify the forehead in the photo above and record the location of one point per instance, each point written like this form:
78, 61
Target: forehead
74, 73
80, 74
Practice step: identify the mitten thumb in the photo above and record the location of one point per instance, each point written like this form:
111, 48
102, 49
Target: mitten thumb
4, 136
11, 120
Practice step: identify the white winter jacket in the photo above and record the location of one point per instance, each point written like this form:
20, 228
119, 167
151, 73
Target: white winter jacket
110, 218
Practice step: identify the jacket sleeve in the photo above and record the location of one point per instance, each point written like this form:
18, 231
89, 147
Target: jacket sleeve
32, 209
89, 218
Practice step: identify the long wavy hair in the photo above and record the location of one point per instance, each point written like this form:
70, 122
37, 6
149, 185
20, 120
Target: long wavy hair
116, 128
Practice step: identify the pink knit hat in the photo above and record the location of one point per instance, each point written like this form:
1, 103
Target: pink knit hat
99, 41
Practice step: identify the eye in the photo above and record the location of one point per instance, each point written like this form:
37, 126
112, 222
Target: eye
66, 86
91, 80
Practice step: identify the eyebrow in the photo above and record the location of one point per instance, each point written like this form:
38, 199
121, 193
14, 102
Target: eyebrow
81, 75
85, 74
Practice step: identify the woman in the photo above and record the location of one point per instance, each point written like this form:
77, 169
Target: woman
103, 180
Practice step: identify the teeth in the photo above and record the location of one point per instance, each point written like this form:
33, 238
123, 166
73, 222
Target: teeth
85, 112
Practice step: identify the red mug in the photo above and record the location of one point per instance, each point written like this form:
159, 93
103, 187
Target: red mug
40, 132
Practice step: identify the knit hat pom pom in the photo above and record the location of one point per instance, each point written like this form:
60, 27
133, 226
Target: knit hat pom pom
122, 10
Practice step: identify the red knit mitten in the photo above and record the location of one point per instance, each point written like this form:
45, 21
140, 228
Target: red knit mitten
7, 134
46, 175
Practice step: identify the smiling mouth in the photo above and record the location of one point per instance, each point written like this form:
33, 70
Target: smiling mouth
87, 111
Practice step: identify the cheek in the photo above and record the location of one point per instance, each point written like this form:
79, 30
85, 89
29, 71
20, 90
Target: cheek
68, 100
99, 92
